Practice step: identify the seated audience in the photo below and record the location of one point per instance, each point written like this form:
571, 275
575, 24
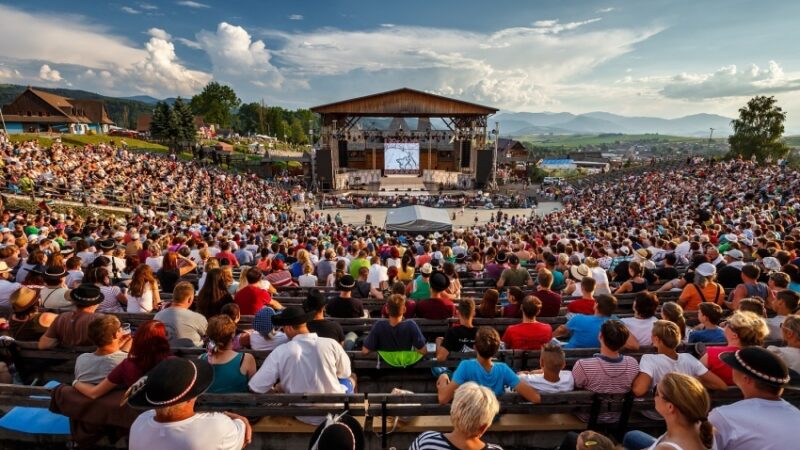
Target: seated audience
54, 293
784, 304
674, 313
702, 289
213, 294
252, 297
185, 328
488, 306
71, 328
742, 329
644, 316
513, 310
790, 354
584, 304
551, 378
708, 331
438, 306
461, 338
399, 342
314, 304
551, 301
265, 336
143, 291
514, 275
26, 322
582, 329
106, 334
750, 287
530, 334
232, 369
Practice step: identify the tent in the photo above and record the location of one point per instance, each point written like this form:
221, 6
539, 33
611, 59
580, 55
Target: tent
418, 219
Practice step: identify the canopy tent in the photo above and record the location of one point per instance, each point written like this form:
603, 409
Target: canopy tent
418, 219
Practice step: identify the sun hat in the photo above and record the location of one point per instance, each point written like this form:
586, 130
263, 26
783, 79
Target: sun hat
315, 301
426, 269
735, 254
771, 263
172, 381
23, 298
762, 365
292, 315
340, 432
346, 283
262, 321
107, 244
706, 269
642, 252
4, 267
580, 272
85, 294
439, 282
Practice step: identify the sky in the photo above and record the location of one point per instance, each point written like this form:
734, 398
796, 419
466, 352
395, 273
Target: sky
665, 58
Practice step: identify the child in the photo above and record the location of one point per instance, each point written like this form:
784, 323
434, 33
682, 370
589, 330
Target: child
551, 378
242, 338
709, 315
585, 304
74, 272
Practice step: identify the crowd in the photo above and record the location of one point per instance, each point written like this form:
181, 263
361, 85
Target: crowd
723, 236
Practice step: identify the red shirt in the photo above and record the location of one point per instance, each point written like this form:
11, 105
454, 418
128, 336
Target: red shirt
230, 257
551, 303
527, 336
436, 309
251, 299
581, 306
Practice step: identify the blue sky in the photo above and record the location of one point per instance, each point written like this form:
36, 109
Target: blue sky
654, 57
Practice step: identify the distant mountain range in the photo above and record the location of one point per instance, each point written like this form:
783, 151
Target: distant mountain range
527, 123
150, 100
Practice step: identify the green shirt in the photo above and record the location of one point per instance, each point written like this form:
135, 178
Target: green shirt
356, 265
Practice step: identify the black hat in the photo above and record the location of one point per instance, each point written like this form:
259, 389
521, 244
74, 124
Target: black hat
342, 432
107, 244
85, 295
67, 251
761, 364
315, 301
292, 315
439, 282
37, 269
501, 257
172, 381
54, 273
346, 283
461, 257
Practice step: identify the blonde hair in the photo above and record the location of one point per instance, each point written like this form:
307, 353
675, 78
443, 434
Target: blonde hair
473, 409
792, 323
211, 263
749, 328
668, 332
691, 400
242, 278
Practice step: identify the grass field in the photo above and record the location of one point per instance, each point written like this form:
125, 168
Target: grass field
82, 139
581, 140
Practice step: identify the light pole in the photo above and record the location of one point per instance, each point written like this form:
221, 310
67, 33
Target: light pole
313, 155
496, 133
429, 149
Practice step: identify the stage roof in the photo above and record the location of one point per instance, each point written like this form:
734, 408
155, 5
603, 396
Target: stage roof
418, 219
404, 102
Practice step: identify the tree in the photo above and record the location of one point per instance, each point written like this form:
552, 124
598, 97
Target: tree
185, 133
159, 125
758, 130
216, 104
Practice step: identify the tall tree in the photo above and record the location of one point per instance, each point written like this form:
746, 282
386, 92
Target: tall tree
186, 133
758, 130
216, 103
160, 124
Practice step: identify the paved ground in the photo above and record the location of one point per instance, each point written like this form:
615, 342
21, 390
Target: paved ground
357, 216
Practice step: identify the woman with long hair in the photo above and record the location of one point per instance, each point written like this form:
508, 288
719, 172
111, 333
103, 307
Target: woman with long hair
214, 294
454, 290
684, 404
211, 263
488, 306
407, 264
150, 346
333, 279
232, 369
674, 313
143, 294
742, 329
114, 300
171, 272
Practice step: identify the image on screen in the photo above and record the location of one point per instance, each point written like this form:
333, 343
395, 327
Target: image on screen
401, 158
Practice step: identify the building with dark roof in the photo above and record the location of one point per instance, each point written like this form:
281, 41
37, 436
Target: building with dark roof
35, 111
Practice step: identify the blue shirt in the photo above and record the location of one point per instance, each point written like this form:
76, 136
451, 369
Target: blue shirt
496, 379
714, 336
406, 335
585, 330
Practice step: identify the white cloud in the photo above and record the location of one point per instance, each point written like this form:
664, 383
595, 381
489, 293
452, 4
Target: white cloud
190, 43
7, 73
148, 6
605, 10
192, 4
235, 55
130, 10
159, 33
730, 81
555, 27
161, 71
48, 74
296, 17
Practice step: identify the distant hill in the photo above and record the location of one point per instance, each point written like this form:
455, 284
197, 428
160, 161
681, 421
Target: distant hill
526, 123
149, 100
118, 108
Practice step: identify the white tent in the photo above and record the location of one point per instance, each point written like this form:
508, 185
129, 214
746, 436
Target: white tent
415, 219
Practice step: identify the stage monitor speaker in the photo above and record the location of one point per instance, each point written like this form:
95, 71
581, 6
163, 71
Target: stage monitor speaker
342, 154
324, 168
466, 152
483, 172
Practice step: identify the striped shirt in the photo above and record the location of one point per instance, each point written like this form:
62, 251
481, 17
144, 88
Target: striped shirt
435, 440
605, 375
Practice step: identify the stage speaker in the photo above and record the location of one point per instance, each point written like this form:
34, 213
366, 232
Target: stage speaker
342, 154
485, 164
324, 169
466, 151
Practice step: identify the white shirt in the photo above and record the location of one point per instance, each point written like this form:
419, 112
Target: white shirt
307, 280
755, 424
641, 329
601, 277
377, 274
306, 364
789, 355
565, 382
155, 262
143, 304
659, 365
774, 325
201, 431
6, 289
259, 342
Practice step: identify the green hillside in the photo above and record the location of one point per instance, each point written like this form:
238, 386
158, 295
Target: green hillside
123, 112
75, 139
582, 140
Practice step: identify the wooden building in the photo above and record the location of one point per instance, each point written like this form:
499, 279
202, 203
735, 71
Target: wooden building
36, 111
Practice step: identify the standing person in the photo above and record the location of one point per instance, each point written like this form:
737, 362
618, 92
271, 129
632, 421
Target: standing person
307, 364
143, 291
530, 334
684, 404
232, 369
172, 389
762, 420
472, 413
184, 327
